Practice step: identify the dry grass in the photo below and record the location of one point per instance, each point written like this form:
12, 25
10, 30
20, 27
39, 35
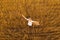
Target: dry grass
14, 27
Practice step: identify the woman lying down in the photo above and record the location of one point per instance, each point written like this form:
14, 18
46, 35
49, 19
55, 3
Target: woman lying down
30, 21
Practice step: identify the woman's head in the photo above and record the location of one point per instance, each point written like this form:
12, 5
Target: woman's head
29, 18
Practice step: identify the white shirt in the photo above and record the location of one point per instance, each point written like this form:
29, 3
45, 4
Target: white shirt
30, 22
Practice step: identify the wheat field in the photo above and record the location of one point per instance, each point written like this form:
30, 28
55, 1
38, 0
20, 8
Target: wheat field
14, 27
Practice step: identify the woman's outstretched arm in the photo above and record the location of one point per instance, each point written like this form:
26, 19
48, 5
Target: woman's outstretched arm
24, 17
36, 23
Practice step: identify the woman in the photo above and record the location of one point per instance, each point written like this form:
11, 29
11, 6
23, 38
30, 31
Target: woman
30, 21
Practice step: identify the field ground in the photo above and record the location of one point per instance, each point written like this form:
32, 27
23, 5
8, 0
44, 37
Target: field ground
14, 27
